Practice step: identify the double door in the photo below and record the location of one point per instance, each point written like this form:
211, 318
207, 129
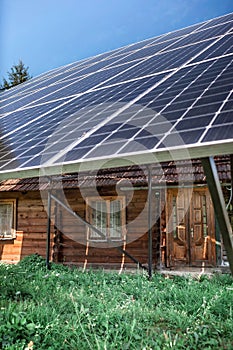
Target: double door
190, 233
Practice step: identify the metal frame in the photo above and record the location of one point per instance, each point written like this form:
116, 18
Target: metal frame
216, 193
146, 157
222, 217
150, 233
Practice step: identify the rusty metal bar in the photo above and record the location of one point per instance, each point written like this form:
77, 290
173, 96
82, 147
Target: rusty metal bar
219, 206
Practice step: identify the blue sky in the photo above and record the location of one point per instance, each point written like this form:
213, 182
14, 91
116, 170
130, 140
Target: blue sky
47, 34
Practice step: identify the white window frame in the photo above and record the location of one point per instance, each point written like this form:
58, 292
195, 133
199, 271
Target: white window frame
12, 234
107, 200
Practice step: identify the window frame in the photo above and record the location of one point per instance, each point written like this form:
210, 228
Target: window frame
12, 202
107, 200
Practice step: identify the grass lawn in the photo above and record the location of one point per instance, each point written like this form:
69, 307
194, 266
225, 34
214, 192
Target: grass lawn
69, 309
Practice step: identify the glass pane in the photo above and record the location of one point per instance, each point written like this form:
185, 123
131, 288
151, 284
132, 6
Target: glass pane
98, 219
115, 230
204, 216
174, 216
6, 219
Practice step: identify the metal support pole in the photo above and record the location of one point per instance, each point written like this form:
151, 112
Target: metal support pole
219, 206
231, 158
150, 250
48, 230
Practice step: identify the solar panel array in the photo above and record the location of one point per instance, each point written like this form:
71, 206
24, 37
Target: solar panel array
165, 94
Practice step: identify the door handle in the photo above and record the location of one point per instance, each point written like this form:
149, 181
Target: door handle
192, 232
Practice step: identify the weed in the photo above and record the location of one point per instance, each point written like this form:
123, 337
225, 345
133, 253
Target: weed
66, 308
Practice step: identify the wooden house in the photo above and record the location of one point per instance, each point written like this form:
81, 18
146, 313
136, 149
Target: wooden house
111, 161
184, 229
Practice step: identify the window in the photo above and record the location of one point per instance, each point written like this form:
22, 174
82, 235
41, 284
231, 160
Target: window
7, 219
108, 215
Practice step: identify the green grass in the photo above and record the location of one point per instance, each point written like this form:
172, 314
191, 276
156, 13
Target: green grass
69, 309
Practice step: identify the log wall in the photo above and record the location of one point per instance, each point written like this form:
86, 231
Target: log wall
31, 227
69, 236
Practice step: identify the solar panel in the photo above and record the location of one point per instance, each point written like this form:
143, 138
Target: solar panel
162, 98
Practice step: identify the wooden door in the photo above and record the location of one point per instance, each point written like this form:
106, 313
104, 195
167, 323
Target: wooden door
190, 230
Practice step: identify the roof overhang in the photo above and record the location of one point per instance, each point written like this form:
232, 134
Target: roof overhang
137, 158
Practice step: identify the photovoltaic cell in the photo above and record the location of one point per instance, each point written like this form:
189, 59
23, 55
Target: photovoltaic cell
166, 93
216, 133
181, 32
219, 20
223, 47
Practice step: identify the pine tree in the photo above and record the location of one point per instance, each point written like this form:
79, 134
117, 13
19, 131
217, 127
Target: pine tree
17, 75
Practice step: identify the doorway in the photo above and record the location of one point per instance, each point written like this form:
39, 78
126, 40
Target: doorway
190, 232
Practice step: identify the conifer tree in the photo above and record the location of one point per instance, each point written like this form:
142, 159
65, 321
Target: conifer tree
17, 75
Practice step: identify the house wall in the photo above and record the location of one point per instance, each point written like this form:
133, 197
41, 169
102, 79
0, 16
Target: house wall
30, 227
69, 237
